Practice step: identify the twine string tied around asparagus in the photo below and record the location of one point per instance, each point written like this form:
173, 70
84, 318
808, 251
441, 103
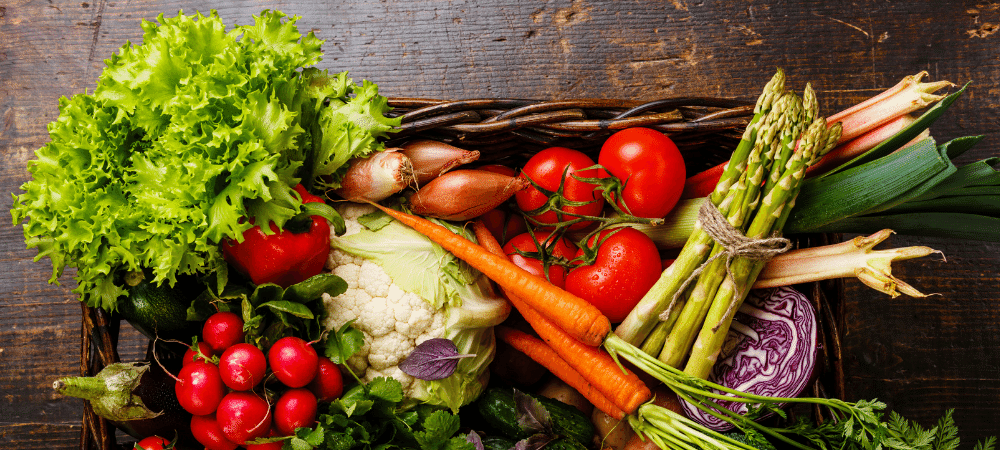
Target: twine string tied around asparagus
734, 244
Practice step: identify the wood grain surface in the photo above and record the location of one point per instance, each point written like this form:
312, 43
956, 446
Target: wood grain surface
921, 356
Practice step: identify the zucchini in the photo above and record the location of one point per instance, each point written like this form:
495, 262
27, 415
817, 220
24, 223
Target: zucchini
498, 410
162, 310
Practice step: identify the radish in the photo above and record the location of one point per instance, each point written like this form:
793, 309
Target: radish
192, 355
295, 408
328, 385
153, 443
206, 430
222, 330
293, 361
199, 388
242, 366
243, 416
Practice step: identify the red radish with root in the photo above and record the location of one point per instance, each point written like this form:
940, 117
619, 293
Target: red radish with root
293, 361
242, 366
207, 432
243, 416
328, 385
295, 408
199, 388
222, 330
192, 354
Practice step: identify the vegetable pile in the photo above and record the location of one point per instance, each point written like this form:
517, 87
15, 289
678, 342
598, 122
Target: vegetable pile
348, 295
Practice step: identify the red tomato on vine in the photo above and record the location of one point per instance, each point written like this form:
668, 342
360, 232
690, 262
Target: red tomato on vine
650, 166
561, 248
554, 167
627, 264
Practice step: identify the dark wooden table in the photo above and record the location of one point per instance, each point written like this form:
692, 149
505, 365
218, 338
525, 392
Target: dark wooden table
921, 356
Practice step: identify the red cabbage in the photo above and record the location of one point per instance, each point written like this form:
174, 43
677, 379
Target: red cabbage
770, 350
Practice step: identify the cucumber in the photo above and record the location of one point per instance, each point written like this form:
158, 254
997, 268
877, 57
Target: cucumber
162, 310
499, 411
565, 443
498, 443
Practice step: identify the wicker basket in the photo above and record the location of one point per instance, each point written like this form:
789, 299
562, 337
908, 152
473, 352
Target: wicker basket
509, 131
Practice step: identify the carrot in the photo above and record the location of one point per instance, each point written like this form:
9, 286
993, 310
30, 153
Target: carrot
486, 238
571, 313
617, 383
544, 355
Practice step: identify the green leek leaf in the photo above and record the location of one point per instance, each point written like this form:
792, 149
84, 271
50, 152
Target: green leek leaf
935, 224
857, 190
988, 205
980, 173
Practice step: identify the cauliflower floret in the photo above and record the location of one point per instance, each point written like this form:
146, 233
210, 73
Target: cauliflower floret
403, 291
392, 320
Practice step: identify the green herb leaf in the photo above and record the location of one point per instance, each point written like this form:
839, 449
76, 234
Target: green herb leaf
295, 309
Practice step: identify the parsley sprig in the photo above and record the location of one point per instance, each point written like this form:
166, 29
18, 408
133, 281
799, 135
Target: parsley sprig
369, 417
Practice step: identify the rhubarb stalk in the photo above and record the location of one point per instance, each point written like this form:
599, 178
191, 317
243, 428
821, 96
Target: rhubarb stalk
853, 258
909, 95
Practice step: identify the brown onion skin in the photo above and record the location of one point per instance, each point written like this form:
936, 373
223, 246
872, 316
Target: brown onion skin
464, 194
376, 177
432, 159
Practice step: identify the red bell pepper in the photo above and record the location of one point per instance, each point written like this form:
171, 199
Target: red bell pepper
285, 257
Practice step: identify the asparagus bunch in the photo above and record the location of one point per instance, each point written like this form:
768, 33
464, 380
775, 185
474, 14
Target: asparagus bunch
685, 317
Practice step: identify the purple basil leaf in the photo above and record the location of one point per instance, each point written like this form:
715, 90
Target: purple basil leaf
434, 359
531, 414
534, 442
475, 440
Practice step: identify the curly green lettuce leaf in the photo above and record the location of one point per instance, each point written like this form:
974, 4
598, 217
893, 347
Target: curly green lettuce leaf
184, 138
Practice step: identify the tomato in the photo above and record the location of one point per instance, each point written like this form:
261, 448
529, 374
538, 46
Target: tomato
626, 266
524, 242
547, 169
651, 167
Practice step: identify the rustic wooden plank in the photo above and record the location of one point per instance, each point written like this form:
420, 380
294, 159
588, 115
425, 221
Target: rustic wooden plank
921, 356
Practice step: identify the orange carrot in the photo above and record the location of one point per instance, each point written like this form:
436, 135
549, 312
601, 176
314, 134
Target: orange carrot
618, 384
571, 313
544, 355
486, 238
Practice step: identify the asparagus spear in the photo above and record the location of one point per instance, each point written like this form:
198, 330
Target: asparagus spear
735, 286
746, 194
644, 317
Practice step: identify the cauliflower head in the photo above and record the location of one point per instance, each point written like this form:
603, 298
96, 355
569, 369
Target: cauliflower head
404, 289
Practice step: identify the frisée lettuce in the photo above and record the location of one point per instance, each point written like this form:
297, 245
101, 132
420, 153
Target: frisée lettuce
185, 137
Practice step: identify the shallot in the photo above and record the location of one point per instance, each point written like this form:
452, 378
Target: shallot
376, 177
432, 159
464, 194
